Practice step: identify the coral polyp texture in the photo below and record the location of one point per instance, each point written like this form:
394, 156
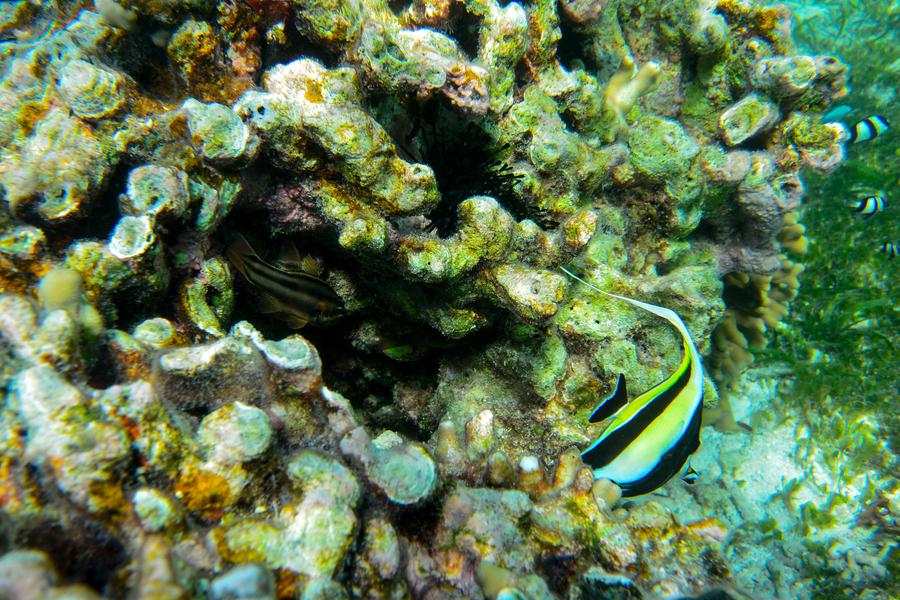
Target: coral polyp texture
165, 434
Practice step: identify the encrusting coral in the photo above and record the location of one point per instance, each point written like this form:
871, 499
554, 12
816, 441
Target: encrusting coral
405, 448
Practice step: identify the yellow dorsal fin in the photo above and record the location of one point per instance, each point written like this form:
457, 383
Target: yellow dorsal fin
309, 265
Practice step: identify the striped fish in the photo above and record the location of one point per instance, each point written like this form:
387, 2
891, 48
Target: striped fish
890, 249
867, 129
650, 439
868, 206
287, 288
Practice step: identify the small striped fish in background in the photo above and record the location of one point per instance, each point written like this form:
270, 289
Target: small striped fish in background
865, 130
868, 206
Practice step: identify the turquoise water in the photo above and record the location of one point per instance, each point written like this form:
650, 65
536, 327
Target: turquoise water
449, 299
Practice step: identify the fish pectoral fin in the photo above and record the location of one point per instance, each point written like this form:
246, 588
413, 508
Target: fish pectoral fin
294, 322
268, 305
688, 474
613, 404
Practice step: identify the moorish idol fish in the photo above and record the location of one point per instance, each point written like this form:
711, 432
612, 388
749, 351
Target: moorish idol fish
868, 206
890, 249
650, 439
867, 129
290, 288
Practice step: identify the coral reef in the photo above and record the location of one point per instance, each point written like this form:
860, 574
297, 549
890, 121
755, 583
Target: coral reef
168, 428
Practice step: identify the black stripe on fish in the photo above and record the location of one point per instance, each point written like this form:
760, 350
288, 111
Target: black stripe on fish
288, 283
868, 206
607, 449
671, 462
876, 204
611, 405
890, 249
295, 303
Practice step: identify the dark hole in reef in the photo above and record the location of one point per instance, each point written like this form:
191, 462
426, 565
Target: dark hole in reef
369, 378
464, 27
296, 46
571, 48
98, 221
570, 119
148, 64
747, 299
755, 143
100, 371
6, 532
558, 570
418, 523
691, 66
83, 551
398, 7
464, 155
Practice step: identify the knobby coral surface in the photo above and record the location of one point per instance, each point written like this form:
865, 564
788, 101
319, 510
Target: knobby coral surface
437, 160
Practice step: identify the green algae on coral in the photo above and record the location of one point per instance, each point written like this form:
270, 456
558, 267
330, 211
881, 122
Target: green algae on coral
655, 145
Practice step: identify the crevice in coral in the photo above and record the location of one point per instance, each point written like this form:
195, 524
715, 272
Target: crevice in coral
101, 373
465, 28
153, 72
85, 551
99, 221
296, 44
559, 570
466, 159
398, 7
570, 49
418, 523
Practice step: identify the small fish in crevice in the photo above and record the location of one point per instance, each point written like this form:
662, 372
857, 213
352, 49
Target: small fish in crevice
891, 249
868, 206
290, 288
651, 439
865, 130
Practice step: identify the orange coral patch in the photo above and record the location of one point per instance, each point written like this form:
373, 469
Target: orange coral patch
203, 492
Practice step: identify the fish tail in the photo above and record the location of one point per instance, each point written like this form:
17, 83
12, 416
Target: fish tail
667, 314
577, 278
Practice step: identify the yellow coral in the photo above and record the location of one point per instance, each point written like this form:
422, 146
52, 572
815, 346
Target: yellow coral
60, 288
203, 492
627, 85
